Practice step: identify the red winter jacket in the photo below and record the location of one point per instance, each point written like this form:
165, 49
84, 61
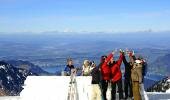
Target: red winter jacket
105, 70
116, 73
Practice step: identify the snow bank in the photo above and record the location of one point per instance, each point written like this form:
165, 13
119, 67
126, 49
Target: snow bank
10, 98
158, 96
45, 88
168, 91
168, 80
54, 88
57, 87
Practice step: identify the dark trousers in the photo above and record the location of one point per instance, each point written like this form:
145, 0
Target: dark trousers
119, 84
104, 84
128, 87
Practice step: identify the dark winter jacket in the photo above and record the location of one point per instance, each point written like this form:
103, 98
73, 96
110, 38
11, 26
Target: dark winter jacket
116, 73
105, 69
128, 68
95, 73
68, 69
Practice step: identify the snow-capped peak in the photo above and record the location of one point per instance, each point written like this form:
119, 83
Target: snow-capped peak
2, 67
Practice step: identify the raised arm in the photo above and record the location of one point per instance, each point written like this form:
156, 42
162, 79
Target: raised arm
109, 57
120, 59
132, 58
124, 60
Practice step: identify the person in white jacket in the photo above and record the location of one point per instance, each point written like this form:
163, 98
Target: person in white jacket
86, 68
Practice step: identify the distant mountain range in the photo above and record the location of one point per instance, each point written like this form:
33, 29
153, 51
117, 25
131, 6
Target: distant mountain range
28, 66
51, 49
161, 65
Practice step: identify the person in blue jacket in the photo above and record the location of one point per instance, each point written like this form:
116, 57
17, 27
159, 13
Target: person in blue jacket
69, 67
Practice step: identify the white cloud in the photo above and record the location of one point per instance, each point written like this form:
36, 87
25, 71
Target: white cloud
67, 30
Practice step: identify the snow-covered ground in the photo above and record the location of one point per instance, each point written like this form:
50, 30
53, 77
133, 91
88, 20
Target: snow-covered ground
52, 88
10, 98
168, 91
158, 96
45, 88
57, 87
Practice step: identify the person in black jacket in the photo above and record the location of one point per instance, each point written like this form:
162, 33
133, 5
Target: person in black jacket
127, 80
96, 91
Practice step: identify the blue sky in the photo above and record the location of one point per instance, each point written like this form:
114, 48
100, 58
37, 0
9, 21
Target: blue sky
84, 15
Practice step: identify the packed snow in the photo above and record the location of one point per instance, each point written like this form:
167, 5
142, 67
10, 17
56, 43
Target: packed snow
57, 88
168, 91
52, 88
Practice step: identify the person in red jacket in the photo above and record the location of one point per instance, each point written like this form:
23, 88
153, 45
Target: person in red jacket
116, 76
105, 73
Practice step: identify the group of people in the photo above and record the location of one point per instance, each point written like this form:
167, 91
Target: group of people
109, 72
